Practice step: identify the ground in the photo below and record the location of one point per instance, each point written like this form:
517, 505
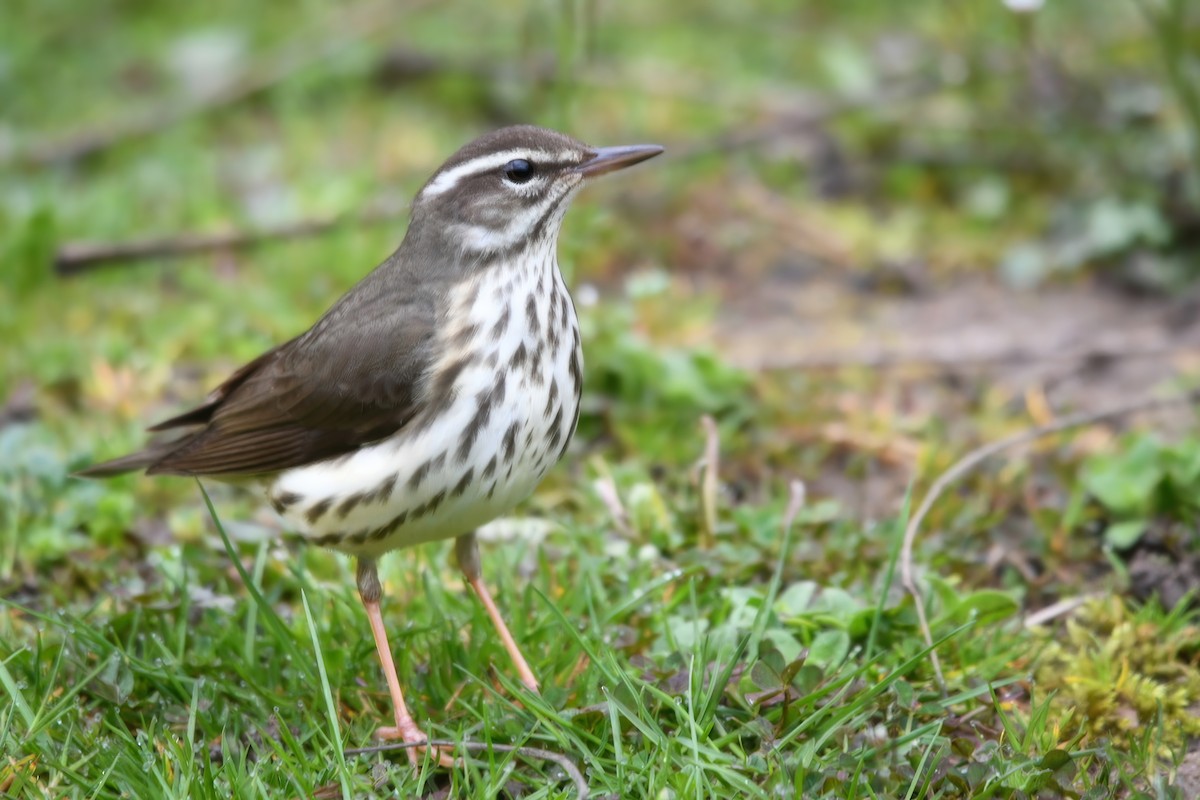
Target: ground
878, 240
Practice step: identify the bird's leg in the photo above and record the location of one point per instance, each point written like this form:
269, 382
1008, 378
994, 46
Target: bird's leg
467, 551
405, 729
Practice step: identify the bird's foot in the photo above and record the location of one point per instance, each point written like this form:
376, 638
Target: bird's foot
411, 734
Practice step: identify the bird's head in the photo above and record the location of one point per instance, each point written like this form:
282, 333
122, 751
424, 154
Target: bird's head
508, 190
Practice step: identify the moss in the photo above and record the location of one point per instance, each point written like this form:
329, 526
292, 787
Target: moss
1117, 670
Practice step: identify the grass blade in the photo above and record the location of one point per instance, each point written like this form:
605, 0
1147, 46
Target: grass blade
330, 707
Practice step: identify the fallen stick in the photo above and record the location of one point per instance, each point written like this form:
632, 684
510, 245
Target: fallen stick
566, 764
981, 454
74, 258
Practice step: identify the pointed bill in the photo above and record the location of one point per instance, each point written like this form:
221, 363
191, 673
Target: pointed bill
609, 159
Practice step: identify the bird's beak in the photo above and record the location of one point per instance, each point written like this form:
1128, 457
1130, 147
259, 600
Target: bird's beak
608, 159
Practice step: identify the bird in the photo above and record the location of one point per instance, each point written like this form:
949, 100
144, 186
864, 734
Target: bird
429, 399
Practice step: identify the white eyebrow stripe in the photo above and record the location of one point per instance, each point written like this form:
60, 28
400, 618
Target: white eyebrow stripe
451, 177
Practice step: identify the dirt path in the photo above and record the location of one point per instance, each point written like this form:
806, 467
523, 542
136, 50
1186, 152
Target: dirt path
1085, 346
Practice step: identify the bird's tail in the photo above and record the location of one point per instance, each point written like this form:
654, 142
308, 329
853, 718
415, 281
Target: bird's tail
118, 466
141, 460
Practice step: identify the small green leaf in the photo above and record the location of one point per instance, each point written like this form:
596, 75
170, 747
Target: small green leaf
1055, 760
764, 676
115, 682
687, 630
795, 599
1123, 535
783, 643
987, 605
807, 678
837, 603
829, 648
963, 746
1125, 483
947, 594
1184, 466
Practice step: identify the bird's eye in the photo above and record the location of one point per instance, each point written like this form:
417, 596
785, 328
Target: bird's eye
518, 170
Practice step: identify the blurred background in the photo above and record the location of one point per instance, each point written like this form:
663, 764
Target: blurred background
881, 234
897, 216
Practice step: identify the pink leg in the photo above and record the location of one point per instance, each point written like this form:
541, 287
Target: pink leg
468, 559
405, 729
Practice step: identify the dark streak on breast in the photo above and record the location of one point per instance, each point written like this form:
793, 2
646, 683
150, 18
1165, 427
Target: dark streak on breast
317, 511
463, 482
485, 401
510, 442
531, 316
501, 324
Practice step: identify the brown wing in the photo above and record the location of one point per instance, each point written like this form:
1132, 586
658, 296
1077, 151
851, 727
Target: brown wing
327, 393
352, 379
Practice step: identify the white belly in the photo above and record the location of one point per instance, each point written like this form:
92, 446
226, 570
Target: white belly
476, 452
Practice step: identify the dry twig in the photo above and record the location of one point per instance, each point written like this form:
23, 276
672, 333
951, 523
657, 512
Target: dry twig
797, 494
708, 482
607, 490
568, 766
1056, 610
73, 258
976, 457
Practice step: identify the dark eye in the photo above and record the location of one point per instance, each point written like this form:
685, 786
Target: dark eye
518, 170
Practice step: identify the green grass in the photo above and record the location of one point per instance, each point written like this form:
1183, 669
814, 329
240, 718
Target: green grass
156, 694
155, 645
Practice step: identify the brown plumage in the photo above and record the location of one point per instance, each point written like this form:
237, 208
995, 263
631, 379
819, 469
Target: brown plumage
325, 393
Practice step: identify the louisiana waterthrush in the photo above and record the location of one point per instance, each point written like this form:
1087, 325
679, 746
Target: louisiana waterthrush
434, 395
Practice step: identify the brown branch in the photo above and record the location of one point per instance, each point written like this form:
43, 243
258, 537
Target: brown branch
976, 457
568, 766
73, 258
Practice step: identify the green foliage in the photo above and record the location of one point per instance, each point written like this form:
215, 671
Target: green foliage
1173, 24
46, 513
1144, 480
28, 253
1097, 233
650, 398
